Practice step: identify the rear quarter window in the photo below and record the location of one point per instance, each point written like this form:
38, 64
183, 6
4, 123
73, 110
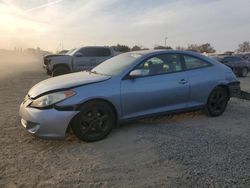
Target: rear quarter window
96, 52
194, 63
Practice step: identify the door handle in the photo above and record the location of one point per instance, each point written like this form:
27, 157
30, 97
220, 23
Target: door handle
183, 81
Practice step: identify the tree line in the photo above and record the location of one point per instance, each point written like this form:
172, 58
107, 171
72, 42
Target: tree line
201, 48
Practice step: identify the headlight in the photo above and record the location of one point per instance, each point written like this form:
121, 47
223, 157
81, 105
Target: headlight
52, 98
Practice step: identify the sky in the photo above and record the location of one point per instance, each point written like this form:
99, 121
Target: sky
56, 24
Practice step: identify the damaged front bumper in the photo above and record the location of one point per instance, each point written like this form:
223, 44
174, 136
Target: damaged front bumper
48, 123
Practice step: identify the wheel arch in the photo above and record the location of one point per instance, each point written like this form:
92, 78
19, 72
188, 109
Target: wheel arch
60, 65
95, 100
222, 85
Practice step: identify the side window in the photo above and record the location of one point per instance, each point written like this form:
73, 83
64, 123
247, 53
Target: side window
232, 59
228, 59
95, 52
194, 63
103, 52
161, 64
90, 52
87, 52
236, 59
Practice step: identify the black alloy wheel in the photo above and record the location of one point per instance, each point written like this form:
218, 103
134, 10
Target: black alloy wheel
94, 122
217, 101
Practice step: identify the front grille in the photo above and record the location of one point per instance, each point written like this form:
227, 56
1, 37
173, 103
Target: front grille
46, 61
32, 127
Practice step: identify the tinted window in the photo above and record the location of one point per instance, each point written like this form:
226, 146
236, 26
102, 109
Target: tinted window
102, 52
194, 63
161, 64
216, 58
247, 56
95, 52
231, 59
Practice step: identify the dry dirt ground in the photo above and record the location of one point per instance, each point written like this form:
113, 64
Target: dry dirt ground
186, 150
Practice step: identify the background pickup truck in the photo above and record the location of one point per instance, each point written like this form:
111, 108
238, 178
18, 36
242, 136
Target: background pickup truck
78, 59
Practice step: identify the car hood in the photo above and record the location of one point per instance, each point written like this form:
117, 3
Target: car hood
65, 82
59, 58
54, 55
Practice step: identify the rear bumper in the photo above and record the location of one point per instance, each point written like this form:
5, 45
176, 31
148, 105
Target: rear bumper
48, 123
234, 89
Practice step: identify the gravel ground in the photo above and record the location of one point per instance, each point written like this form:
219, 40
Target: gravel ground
186, 150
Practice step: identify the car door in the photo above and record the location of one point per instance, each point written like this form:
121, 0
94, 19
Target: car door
85, 59
163, 87
202, 79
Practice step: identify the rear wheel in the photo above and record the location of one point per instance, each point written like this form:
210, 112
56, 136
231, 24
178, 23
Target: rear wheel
243, 72
94, 122
60, 71
217, 101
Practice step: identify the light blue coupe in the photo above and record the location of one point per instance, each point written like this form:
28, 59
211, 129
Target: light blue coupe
129, 86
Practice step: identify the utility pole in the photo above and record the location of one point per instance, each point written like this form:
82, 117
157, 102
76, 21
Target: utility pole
166, 38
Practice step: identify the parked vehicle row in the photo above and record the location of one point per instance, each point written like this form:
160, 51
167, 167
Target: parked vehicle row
129, 86
245, 56
240, 66
78, 59
86, 58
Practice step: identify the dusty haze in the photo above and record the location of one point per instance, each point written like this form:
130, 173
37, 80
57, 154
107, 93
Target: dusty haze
12, 63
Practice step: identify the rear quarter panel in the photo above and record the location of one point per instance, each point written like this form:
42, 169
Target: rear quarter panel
203, 81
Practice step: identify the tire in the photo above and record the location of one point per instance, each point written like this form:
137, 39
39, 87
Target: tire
60, 71
217, 102
94, 122
243, 72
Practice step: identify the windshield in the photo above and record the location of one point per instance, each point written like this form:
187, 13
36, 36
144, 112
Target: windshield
117, 64
71, 52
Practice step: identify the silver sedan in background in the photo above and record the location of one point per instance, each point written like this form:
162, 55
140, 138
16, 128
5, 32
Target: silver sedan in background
129, 86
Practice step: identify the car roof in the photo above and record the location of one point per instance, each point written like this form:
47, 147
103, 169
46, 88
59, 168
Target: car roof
155, 52
93, 47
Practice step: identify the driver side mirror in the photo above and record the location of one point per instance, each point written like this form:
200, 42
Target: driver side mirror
136, 73
78, 54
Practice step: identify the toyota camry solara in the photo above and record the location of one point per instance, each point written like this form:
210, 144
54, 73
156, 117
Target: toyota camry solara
129, 86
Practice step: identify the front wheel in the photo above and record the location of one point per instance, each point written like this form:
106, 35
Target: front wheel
217, 101
94, 122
